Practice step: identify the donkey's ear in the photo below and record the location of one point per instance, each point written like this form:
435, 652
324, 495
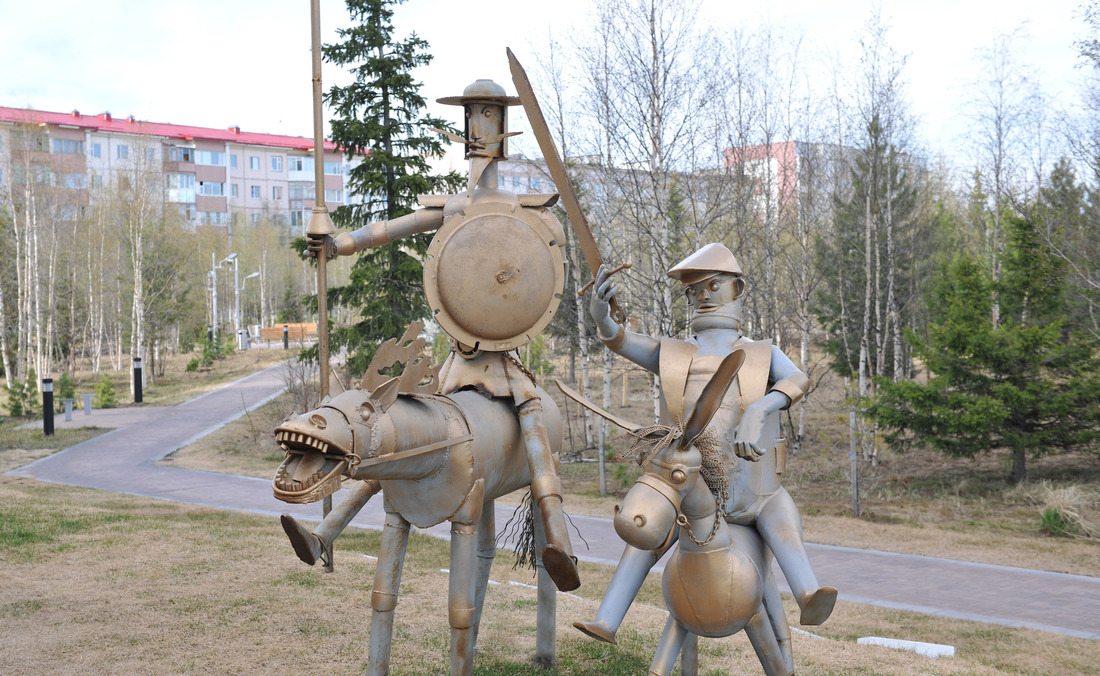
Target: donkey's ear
385, 394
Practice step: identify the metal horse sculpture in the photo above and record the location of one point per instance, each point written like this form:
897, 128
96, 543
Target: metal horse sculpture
436, 458
720, 582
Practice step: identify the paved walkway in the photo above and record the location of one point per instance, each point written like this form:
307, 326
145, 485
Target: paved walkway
123, 460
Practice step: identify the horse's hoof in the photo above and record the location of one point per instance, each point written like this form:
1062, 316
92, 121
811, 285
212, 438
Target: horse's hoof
817, 606
597, 631
306, 545
561, 567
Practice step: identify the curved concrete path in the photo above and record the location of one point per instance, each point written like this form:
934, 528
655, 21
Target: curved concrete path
123, 461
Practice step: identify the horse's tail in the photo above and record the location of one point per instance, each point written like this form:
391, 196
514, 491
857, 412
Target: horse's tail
521, 528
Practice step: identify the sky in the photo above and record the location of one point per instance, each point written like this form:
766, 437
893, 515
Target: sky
221, 63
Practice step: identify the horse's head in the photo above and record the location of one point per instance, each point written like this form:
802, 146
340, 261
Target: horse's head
648, 513
326, 444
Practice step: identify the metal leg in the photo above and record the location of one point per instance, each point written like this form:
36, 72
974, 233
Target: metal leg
547, 607
629, 575
546, 489
486, 552
773, 604
689, 656
311, 546
760, 633
669, 647
780, 525
461, 593
383, 600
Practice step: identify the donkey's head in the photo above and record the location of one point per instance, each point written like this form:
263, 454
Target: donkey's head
648, 513
324, 445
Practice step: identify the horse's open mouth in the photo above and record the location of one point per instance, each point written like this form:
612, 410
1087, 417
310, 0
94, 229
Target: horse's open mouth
311, 470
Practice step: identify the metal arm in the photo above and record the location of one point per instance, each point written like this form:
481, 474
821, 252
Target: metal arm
383, 232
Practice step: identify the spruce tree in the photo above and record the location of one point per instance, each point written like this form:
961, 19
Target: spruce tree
1030, 384
379, 118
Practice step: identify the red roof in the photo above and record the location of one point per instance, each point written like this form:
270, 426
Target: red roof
128, 125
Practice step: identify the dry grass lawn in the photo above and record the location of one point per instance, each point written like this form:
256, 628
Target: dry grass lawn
93, 582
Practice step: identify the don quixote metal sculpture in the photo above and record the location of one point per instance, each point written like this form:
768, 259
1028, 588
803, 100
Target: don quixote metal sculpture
443, 443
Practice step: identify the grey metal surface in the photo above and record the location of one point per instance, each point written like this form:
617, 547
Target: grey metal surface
122, 461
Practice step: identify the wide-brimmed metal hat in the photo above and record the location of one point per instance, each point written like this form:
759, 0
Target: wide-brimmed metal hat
481, 91
706, 262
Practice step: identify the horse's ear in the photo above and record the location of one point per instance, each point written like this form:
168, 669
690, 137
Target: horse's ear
385, 394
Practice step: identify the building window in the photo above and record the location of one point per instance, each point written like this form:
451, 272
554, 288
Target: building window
232, 161
276, 192
254, 218
97, 181
122, 151
254, 163
332, 168
233, 190
536, 184
76, 181
255, 192
212, 188
210, 158
299, 163
95, 151
334, 195
297, 218
515, 183
181, 187
213, 217
277, 163
181, 154
150, 154
63, 146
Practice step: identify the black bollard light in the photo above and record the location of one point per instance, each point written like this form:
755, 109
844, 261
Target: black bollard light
137, 380
286, 337
47, 407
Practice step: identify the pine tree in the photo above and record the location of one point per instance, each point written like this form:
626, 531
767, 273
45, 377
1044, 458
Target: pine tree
1027, 384
379, 119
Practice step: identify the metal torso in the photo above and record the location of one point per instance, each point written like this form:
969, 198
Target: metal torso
750, 482
443, 478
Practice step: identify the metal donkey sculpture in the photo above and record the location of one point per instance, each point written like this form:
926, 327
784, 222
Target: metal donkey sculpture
435, 458
720, 582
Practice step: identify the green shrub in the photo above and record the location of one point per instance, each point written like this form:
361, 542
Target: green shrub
23, 397
66, 389
1054, 522
105, 394
192, 365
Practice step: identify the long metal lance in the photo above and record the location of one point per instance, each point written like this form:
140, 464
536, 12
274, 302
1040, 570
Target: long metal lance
320, 225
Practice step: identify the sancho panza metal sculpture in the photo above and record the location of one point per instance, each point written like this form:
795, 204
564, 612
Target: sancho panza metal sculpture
493, 278
746, 424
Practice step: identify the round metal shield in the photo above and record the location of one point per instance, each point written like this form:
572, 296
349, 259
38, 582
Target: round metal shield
494, 276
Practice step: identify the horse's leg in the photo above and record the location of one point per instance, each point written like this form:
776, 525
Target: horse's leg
486, 552
312, 546
546, 615
780, 525
629, 575
557, 553
461, 594
383, 598
689, 656
762, 637
778, 617
669, 647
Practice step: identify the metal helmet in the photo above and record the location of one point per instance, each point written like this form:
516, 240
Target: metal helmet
706, 262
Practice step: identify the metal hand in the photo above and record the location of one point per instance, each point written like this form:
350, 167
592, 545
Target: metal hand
750, 431
600, 304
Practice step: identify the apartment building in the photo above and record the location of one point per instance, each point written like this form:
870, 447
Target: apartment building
215, 177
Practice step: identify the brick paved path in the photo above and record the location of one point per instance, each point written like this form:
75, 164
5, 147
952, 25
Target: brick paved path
123, 460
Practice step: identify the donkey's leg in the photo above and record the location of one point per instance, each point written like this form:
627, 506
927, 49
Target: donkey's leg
546, 616
486, 552
780, 525
383, 599
629, 575
773, 604
461, 595
759, 630
689, 656
669, 647
557, 554
311, 546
